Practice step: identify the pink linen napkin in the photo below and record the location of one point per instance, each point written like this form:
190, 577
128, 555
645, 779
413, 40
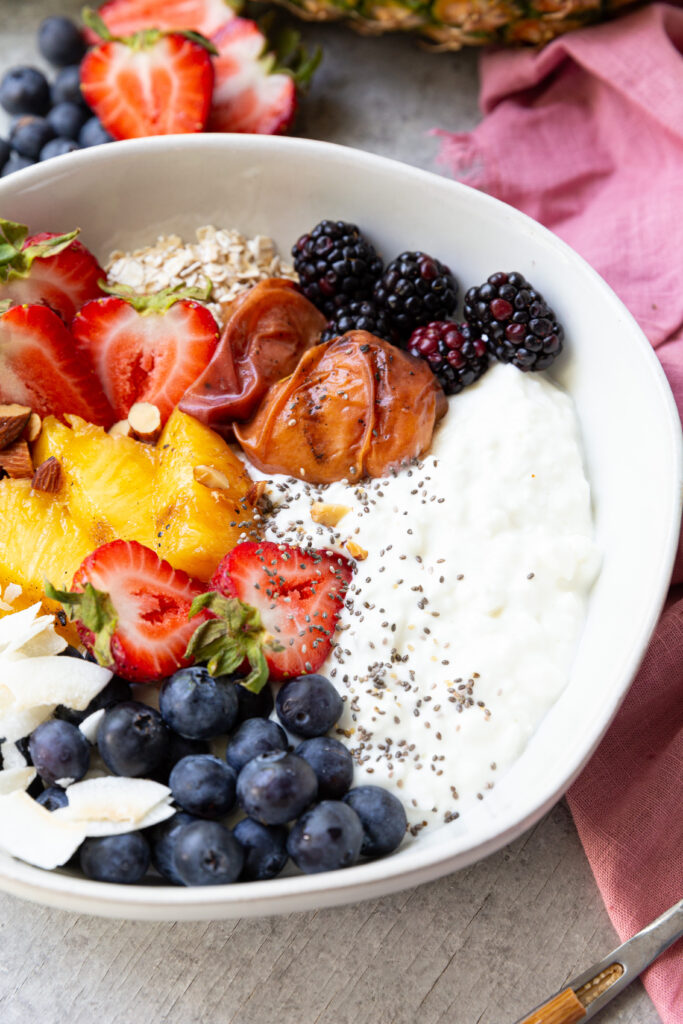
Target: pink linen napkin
586, 136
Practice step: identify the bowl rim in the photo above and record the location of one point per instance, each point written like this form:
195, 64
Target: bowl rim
415, 865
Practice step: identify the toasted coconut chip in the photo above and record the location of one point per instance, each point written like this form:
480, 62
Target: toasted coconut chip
14, 725
13, 779
114, 801
27, 684
32, 833
90, 725
27, 634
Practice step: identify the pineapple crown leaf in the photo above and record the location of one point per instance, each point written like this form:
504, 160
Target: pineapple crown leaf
143, 39
15, 261
157, 302
234, 634
94, 610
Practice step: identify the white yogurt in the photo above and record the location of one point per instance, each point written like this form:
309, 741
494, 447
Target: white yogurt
461, 624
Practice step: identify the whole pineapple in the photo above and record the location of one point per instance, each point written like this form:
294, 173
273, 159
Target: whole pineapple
451, 24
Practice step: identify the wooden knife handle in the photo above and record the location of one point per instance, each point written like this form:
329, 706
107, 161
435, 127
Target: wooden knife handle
564, 1008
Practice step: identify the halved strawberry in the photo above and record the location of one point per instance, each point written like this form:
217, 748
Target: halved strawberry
254, 90
124, 17
150, 83
147, 348
40, 366
46, 267
132, 610
299, 595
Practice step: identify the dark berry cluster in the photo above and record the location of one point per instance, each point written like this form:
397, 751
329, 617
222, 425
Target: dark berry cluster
51, 118
416, 289
455, 354
335, 264
361, 315
515, 321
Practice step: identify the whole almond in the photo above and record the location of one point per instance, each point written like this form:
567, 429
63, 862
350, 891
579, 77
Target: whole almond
16, 460
13, 419
48, 476
145, 422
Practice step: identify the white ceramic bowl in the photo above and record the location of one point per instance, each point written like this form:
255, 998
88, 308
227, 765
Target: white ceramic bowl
126, 194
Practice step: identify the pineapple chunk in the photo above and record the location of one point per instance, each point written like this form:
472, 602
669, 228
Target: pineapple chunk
195, 525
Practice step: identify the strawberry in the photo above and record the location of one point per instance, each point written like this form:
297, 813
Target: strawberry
146, 348
150, 83
48, 268
298, 595
124, 17
41, 367
256, 91
132, 610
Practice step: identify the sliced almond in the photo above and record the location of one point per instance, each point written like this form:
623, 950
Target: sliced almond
256, 492
328, 515
33, 428
48, 476
16, 460
212, 478
13, 419
145, 422
121, 428
356, 551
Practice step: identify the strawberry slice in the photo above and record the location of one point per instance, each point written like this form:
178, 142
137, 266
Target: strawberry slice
299, 595
131, 610
47, 267
150, 83
40, 366
147, 348
125, 17
256, 91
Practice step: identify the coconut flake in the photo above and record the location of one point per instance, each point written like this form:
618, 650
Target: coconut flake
12, 779
34, 834
28, 634
11, 756
14, 725
113, 828
90, 725
27, 684
116, 802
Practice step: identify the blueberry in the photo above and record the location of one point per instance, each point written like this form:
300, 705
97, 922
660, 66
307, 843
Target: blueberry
93, 133
132, 739
66, 87
122, 859
308, 705
60, 41
382, 816
329, 836
255, 736
275, 788
204, 786
179, 747
265, 849
197, 705
332, 764
52, 798
29, 134
67, 119
59, 751
58, 147
5, 150
163, 845
22, 746
254, 705
206, 853
70, 652
16, 162
116, 691
24, 90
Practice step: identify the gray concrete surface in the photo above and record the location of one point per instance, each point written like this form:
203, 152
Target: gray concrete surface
479, 947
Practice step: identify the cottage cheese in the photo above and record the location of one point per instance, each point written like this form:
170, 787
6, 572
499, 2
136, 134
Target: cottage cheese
461, 623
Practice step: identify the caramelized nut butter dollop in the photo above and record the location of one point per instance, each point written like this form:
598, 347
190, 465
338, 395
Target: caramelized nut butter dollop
268, 329
355, 406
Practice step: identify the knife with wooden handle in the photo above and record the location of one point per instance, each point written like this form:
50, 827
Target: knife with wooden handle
587, 994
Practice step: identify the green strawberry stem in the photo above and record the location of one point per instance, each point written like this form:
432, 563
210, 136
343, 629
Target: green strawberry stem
94, 609
290, 57
145, 38
16, 262
158, 302
235, 634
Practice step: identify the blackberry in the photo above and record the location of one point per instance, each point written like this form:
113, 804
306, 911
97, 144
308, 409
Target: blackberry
515, 321
335, 264
360, 315
416, 289
456, 356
